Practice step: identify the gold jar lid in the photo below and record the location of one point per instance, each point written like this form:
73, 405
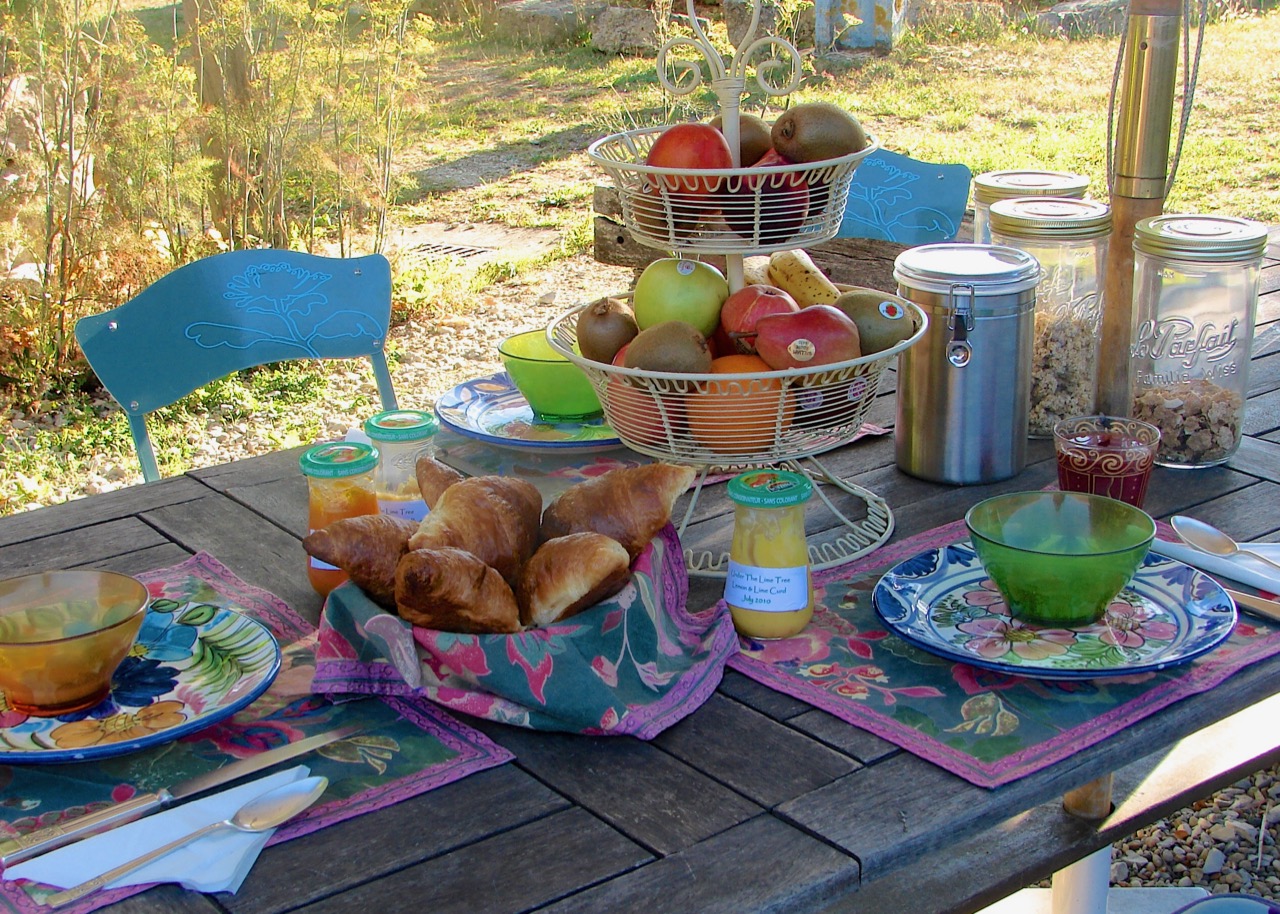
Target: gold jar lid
1000, 185
1050, 218
1220, 239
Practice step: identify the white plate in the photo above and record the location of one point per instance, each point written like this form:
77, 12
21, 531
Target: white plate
942, 601
492, 410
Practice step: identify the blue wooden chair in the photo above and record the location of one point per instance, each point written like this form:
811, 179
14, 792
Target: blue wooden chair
232, 311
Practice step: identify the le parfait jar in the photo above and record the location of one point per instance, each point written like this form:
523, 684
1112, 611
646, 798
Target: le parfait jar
1195, 295
339, 484
1069, 239
1019, 182
401, 436
768, 586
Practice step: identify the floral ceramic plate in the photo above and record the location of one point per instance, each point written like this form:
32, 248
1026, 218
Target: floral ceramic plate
492, 410
192, 665
942, 601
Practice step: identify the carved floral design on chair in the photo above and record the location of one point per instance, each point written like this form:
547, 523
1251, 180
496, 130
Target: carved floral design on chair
282, 304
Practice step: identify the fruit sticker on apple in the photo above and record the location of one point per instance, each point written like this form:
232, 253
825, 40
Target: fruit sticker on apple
674, 289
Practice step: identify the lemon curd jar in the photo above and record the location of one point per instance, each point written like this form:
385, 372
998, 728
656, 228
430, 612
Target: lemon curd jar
340, 484
401, 436
768, 586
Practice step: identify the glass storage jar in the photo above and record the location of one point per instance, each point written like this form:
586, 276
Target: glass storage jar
1069, 238
401, 436
1195, 295
339, 484
1020, 182
768, 586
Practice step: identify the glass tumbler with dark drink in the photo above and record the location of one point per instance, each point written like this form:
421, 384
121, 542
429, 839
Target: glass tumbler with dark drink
1106, 455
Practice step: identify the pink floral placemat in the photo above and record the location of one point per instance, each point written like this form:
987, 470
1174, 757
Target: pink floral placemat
404, 748
986, 726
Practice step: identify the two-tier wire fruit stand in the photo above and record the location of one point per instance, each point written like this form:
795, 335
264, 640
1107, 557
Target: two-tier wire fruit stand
729, 422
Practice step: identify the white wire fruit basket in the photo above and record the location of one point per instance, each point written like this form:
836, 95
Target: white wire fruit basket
754, 210
751, 418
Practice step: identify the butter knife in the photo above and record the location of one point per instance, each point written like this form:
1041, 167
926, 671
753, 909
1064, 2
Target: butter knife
24, 847
1258, 605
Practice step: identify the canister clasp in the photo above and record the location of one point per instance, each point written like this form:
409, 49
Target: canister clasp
959, 351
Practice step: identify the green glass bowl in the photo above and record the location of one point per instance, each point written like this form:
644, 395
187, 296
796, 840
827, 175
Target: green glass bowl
557, 389
62, 635
1058, 558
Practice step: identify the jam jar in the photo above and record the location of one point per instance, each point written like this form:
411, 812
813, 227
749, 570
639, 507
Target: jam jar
1068, 237
401, 436
1195, 297
340, 484
999, 185
768, 586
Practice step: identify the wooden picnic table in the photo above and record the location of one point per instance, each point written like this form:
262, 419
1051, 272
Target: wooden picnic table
756, 801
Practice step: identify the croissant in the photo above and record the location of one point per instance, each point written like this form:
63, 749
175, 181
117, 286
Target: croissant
367, 548
495, 518
451, 590
629, 505
433, 478
569, 574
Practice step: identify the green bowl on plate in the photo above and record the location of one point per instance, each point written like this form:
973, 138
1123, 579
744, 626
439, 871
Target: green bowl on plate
557, 390
1059, 558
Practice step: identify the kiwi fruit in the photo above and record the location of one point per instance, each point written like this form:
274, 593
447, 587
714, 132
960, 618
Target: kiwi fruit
883, 320
754, 137
815, 131
604, 327
670, 346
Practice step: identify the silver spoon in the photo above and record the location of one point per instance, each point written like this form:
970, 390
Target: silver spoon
1212, 540
259, 814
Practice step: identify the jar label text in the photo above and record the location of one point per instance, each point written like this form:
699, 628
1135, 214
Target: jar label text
1180, 339
772, 590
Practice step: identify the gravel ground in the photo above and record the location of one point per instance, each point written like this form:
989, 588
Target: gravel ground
1225, 843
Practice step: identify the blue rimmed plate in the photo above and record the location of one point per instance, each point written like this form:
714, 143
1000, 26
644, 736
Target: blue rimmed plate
492, 410
192, 665
942, 601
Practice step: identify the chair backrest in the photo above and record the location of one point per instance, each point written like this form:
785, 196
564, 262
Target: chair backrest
231, 311
893, 197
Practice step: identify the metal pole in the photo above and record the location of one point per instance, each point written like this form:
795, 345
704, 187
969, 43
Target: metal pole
1145, 95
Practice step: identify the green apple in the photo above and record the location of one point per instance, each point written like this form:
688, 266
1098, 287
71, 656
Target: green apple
673, 289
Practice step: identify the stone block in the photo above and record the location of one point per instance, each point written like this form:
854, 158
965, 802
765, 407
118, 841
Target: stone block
1084, 18
624, 30
546, 21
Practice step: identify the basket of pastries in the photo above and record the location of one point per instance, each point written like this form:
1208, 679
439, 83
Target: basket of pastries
569, 616
785, 367
680, 190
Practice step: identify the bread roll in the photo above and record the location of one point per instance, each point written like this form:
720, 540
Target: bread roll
495, 518
629, 505
368, 548
453, 591
569, 574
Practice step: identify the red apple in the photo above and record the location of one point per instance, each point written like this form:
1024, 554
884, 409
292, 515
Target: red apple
777, 202
691, 146
742, 309
816, 335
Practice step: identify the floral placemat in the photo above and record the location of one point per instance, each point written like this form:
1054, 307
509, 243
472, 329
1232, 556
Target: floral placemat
988, 727
634, 664
404, 747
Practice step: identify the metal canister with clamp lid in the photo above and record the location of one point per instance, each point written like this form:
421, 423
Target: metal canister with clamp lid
963, 390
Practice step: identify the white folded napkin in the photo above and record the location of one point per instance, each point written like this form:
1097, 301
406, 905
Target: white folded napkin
1239, 567
215, 863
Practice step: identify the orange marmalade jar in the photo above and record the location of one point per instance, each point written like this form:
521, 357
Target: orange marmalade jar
340, 484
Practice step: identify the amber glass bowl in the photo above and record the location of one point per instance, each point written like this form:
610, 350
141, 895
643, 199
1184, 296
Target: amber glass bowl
62, 635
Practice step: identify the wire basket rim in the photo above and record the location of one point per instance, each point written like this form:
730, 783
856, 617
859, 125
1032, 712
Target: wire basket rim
781, 373
594, 154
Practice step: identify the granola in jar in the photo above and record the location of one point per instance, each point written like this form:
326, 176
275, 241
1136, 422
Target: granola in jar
1200, 422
